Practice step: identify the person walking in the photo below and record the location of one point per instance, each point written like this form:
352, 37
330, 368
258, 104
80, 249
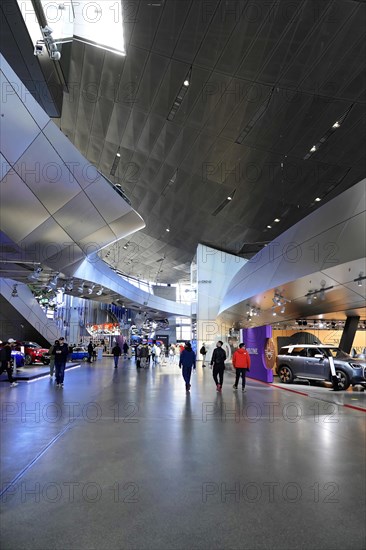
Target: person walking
144, 355
241, 363
59, 361
187, 362
90, 349
52, 359
125, 349
218, 365
117, 352
203, 352
5, 361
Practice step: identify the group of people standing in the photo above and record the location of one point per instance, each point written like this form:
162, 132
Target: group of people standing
241, 363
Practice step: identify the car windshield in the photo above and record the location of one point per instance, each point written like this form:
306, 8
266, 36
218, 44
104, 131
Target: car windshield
338, 353
32, 345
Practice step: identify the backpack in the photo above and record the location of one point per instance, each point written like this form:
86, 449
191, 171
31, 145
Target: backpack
203, 350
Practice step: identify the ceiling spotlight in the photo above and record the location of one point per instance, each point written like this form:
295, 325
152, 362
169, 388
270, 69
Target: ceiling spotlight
336, 125
309, 300
229, 198
274, 314
283, 309
269, 227
36, 273
186, 82
318, 199
118, 155
14, 292
81, 288
167, 230
53, 282
100, 291
70, 285
276, 220
313, 149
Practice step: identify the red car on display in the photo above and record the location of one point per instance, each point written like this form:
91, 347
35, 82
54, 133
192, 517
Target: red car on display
33, 353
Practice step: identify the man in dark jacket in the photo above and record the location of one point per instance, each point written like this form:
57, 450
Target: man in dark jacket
117, 352
60, 351
218, 365
187, 361
90, 351
5, 361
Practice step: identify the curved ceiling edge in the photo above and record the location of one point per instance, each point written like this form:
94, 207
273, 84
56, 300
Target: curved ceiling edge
330, 236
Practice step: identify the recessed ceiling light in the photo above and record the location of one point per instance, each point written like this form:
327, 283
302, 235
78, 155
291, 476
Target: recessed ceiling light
229, 198
318, 199
277, 220
313, 149
186, 82
269, 227
336, 125
167, 230
118, 155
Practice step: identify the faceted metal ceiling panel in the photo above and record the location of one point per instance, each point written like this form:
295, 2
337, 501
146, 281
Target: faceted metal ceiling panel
267, 82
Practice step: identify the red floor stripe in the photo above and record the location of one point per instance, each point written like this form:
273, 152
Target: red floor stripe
307, 395
292, 391
356, 408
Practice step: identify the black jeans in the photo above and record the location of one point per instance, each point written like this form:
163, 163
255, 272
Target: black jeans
218, 369
237, 376
60, 372
8, 369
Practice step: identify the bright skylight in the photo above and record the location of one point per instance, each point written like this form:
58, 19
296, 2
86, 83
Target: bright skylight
97, 23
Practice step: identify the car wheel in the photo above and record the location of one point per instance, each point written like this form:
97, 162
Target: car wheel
85, 359
344, 382
28, 360
285, 374
46, 361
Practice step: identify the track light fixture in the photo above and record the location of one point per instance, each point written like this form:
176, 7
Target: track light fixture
14, 292
317, 293
359, 279
279, 301
36, 273
100, 291
53, 282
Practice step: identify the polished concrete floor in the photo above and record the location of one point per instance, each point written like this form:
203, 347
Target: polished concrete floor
125, 459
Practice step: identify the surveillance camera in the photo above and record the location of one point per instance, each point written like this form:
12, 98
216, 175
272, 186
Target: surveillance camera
56, 56
38, 48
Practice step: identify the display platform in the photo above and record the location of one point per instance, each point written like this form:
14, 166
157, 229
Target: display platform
26, 374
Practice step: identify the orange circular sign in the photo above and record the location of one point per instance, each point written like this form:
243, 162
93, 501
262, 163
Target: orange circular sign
269, 354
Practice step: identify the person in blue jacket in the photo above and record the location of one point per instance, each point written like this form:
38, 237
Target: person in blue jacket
187, 361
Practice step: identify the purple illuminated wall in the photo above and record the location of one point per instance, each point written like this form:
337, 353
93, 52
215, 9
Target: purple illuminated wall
255, 341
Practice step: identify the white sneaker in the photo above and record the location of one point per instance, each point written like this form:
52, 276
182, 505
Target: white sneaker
13, 384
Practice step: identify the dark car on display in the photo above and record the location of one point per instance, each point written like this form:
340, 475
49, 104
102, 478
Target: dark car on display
33, 353
311, 362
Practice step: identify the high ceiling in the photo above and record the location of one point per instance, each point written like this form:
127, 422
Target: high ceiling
267, 82
273, 117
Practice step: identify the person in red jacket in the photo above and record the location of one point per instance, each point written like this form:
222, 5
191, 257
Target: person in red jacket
241, 363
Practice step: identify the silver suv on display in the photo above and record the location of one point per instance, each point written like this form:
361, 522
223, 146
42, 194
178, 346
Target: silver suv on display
311, 362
